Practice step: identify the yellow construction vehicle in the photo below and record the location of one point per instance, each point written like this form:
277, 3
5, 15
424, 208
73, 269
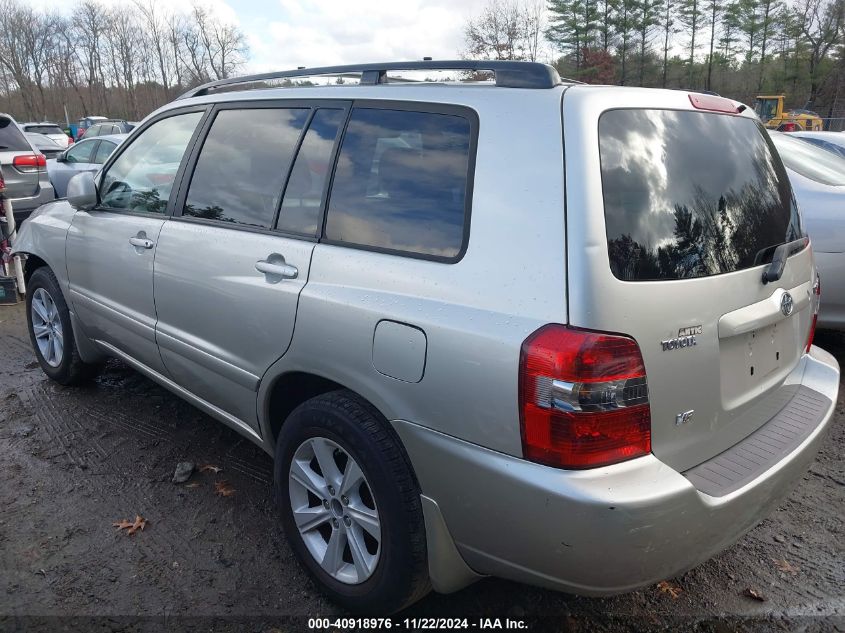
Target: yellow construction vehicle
770, 110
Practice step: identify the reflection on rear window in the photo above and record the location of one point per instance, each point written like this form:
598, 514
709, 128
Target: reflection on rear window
691, 194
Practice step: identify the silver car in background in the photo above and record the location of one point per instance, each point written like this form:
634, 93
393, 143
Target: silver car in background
86, 155
818, 180
24, 170
525, 328
832, 141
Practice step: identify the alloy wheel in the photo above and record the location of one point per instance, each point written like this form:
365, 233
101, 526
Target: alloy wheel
47, 327
334, 510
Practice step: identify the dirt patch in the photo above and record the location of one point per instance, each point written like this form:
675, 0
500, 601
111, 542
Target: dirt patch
73, 461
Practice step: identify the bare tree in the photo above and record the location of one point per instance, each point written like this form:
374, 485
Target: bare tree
505, 29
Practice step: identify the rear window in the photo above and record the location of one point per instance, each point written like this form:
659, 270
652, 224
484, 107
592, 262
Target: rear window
44, 129
11, 138
691, 194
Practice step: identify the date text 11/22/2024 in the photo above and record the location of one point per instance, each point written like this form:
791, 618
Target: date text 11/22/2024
415, 624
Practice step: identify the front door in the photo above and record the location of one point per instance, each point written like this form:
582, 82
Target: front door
111, 249
230, 268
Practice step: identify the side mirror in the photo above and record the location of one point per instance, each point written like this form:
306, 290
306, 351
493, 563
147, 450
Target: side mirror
82, 192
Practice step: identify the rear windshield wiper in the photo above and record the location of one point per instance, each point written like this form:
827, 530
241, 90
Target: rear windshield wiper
782, 252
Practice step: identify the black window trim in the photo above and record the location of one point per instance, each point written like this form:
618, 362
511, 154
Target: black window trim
426, 107
122, 147
260, 104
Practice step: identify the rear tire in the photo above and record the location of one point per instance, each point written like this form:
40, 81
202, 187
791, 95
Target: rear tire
51, 331
383, 512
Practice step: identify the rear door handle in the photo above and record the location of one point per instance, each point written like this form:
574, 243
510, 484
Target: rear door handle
276, 270
141, 242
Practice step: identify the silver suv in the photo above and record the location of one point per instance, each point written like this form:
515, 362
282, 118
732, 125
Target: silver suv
24, 169
526, 328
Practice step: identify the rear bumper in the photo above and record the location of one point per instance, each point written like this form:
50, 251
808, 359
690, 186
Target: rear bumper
600, 531
831, 267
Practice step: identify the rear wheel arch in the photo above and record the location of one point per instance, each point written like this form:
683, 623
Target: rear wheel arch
286, 393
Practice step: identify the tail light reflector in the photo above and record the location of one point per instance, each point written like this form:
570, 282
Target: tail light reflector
583, 398
28, 163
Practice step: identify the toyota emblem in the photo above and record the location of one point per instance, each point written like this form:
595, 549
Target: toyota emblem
786, 304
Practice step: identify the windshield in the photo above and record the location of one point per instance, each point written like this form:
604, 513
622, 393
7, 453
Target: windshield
691, 194
766, 108
809, 160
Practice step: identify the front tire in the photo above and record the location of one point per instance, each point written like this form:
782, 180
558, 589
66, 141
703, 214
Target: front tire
51, 331
351, 505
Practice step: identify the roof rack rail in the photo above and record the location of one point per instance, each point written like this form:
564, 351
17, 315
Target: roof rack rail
509, 74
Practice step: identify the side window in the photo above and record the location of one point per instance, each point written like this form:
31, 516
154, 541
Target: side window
242, 166
80, 153
300, 211
401, 181
103, 152
142, 176
94, 130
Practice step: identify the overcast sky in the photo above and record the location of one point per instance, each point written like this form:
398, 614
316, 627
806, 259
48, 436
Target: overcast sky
289, 33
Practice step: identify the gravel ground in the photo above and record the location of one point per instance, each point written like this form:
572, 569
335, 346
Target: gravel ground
75, 460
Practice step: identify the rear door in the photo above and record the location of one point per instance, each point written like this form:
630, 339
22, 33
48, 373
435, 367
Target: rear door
21, 182
673, 213
229, 269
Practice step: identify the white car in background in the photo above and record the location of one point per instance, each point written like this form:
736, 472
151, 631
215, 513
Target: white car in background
831, 141
50, 130
818, 180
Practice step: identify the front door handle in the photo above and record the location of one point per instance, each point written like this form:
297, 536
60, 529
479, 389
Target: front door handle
141, 241
275, 268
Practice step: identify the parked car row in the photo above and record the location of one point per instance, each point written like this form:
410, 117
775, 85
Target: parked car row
547, 331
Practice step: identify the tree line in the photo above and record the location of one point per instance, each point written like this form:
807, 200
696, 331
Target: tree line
115, 60
739, 48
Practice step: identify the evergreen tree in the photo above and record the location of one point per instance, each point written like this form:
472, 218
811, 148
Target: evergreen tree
572, 26
690, 16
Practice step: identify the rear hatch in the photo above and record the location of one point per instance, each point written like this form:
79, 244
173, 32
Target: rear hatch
673, 213
19, 184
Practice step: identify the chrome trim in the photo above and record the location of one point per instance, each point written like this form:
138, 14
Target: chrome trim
591, 396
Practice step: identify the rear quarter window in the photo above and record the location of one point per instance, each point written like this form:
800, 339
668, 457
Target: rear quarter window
401, 183
691, 194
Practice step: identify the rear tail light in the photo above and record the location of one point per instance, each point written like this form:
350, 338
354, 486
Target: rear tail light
28, 163
817, 295
788, 127
583, 398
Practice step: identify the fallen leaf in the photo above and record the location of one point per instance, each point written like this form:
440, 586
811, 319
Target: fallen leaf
223, 488
667, 587
754, 595
210, 468
192, 485
785, 566
131, 526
